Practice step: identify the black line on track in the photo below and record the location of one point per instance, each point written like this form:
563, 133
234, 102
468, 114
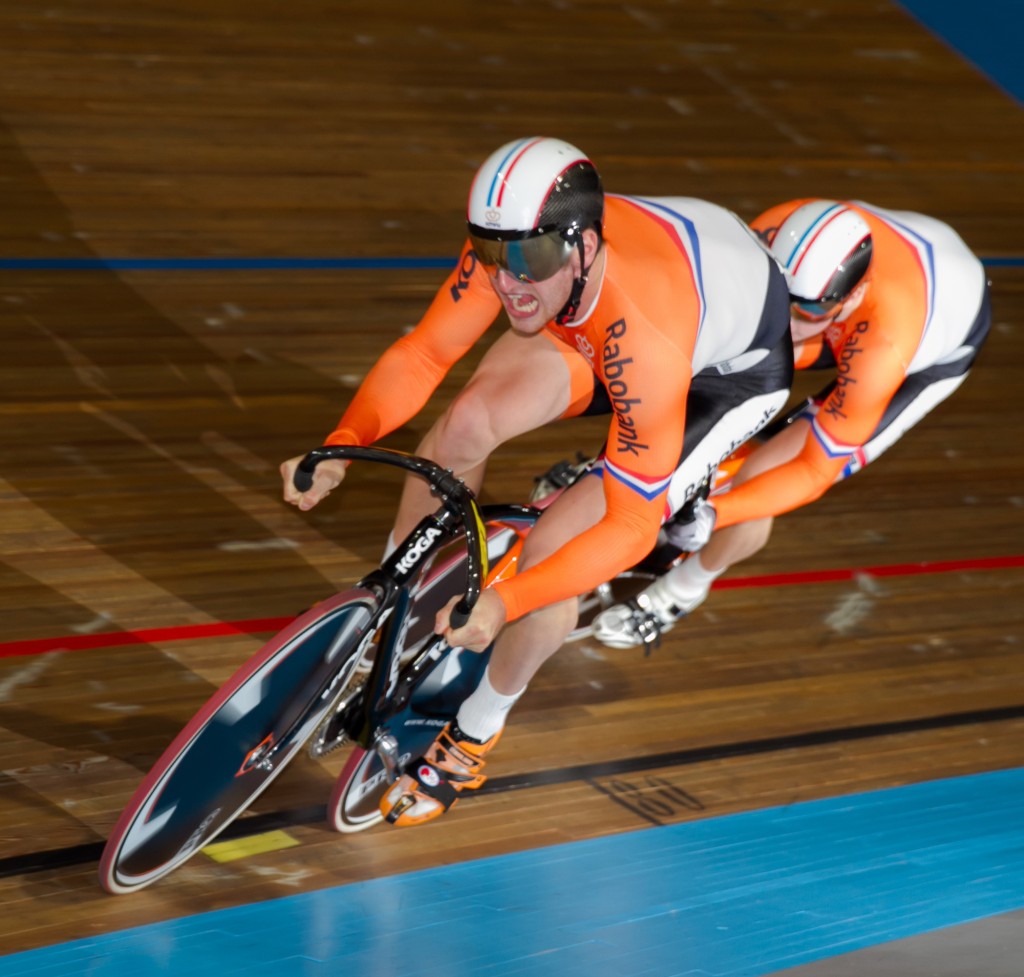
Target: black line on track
58, 858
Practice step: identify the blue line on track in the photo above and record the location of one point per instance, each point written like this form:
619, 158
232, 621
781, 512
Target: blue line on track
221, 264
278, 264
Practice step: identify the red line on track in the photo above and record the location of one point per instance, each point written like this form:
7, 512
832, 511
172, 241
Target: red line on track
892, 570
187, 632
144, 636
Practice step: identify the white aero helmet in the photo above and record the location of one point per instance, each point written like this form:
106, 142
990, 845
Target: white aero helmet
824, 248
529, 204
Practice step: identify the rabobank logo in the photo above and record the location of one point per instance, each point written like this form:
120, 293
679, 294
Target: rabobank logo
616, 378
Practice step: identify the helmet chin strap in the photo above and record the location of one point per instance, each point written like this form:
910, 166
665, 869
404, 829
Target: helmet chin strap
572, 306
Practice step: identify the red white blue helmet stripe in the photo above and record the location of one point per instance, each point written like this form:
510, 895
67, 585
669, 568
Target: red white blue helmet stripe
813, 241
505, 169
515, 181
802, 243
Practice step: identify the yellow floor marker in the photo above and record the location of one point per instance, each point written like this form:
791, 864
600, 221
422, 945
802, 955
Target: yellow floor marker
230, 851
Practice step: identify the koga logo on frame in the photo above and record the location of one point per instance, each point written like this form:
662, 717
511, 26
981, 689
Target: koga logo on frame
420, 547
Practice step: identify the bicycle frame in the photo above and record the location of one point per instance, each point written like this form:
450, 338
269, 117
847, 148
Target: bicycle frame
389, 685
456, 501
393, 679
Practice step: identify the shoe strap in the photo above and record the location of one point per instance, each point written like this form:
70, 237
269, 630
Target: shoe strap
434, 782
460, 751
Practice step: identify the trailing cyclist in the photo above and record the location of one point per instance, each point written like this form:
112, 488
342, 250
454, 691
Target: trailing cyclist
665, 314
895, 306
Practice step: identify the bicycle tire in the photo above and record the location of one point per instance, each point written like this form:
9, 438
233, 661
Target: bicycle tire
213, 770
352, 806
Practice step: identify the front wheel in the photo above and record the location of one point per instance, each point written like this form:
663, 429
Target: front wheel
235, 746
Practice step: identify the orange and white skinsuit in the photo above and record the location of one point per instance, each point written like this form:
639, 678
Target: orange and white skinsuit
690, 304
904, 349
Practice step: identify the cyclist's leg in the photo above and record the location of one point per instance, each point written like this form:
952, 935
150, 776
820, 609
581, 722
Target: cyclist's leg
524, 645
522, 383
685, 587
455, 760
408, 734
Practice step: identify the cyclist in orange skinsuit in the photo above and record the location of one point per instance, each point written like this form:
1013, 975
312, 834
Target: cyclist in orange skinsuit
633, 355
897, 305
667, 314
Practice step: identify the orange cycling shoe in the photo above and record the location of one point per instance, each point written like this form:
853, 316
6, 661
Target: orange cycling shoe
433, 782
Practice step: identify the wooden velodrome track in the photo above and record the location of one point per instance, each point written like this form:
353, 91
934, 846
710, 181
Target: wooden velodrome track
145, 408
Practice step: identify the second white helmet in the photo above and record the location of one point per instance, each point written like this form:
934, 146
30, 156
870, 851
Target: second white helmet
824, 248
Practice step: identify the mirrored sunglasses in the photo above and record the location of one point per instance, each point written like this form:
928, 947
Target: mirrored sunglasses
814, 311
528, 259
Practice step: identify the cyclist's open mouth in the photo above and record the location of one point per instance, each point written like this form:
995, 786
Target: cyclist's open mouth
522, 306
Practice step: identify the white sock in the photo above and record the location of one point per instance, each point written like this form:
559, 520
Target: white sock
390, 546
484, 713
688, 582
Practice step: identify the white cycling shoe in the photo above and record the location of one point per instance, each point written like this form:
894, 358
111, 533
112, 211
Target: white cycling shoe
643, 619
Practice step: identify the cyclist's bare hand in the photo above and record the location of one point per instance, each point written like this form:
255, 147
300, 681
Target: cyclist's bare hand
487, 619
327, 477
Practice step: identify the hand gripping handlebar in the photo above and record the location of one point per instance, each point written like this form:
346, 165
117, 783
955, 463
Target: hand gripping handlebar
455, 496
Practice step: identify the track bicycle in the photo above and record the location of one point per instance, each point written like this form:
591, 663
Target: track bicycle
341, 672
362, 668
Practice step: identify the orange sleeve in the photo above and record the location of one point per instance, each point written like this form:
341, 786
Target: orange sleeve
781, 489
624, 536
871, 370
648, 379
402, 380
873, 353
